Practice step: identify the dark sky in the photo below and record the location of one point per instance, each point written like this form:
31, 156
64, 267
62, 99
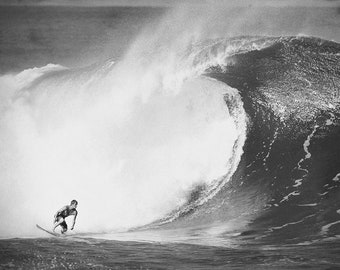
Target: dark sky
173, 2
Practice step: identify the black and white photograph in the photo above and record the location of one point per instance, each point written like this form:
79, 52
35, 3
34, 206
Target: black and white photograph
170, 134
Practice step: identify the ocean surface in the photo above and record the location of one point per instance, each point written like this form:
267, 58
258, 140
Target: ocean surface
192, 138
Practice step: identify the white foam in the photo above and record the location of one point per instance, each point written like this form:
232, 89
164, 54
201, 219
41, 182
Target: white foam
298, 182
306, 145
286, 198
330, 121
325, 228
126, 146
290, 223
308, 155
324, 193
269, 149
336, 178
308, 204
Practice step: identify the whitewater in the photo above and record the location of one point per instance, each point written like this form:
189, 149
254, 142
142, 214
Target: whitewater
130, 140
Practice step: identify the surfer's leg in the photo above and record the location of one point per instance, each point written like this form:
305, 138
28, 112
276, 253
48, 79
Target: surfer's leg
59, 222
63, 226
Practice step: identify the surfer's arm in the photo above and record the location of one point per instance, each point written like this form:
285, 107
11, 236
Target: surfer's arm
74, 219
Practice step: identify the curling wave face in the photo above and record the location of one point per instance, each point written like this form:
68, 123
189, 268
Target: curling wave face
286, 186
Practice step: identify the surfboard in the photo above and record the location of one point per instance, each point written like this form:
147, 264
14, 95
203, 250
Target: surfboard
50, 232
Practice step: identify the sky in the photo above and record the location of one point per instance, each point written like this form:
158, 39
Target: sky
333, 3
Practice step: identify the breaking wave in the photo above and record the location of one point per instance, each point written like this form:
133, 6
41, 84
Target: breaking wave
223, 135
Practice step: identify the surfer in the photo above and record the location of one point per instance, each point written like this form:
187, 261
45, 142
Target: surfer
67, 210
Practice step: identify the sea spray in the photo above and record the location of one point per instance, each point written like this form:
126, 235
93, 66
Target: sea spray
127, 158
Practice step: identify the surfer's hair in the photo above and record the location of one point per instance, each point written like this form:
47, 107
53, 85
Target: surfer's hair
74, 202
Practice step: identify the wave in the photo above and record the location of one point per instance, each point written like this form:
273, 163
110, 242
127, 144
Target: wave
285, 186
228, 134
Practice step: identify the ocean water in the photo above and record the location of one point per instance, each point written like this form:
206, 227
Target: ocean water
192, 137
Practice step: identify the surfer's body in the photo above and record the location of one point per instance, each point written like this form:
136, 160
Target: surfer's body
67, 210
